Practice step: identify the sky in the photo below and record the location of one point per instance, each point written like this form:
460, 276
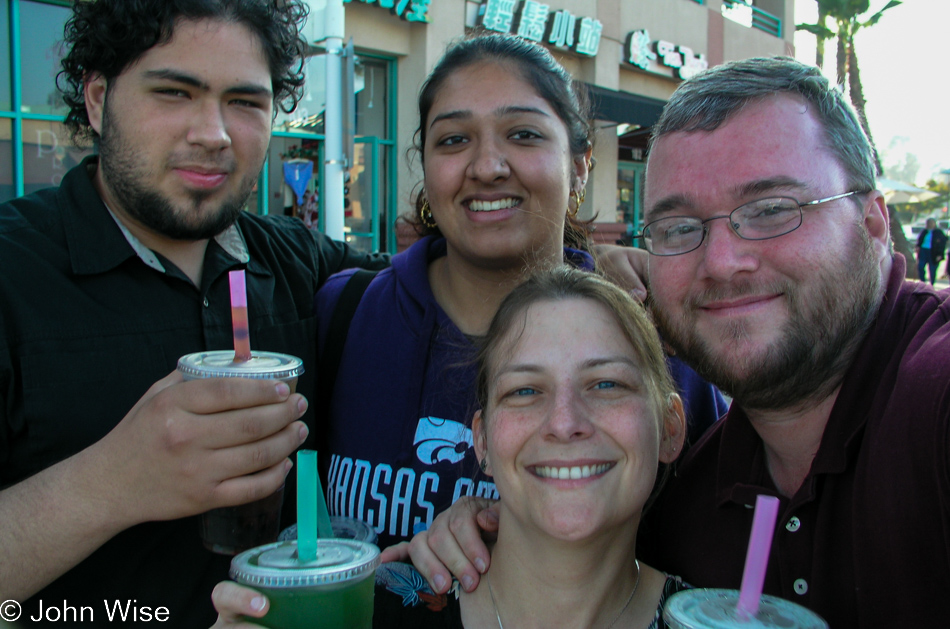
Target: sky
906, 78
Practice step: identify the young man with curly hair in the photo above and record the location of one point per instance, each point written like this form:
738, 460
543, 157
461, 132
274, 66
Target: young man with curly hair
106, 455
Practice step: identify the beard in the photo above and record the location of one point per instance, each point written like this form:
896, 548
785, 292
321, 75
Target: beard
825, 326
126, 173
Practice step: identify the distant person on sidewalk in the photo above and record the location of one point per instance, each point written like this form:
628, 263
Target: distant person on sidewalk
931, 246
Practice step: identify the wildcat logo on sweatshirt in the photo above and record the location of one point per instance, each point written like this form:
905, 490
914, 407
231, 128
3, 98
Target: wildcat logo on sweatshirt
441, 440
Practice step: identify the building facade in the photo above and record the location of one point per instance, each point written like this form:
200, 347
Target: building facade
631, 54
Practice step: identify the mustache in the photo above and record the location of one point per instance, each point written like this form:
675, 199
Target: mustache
204, 160
737, 290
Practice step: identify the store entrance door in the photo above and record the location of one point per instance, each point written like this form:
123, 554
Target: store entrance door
630, 197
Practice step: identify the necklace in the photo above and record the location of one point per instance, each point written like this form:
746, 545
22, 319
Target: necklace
613, 622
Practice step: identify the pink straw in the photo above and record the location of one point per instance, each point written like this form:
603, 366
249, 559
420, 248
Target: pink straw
757, 557
242, 336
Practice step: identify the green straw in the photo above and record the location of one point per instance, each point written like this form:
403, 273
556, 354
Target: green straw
308, 486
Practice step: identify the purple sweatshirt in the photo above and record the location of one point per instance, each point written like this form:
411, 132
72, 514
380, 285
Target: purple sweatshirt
400, 443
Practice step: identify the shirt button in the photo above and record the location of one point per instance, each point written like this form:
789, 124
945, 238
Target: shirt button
206, 302
793, 524
801, 586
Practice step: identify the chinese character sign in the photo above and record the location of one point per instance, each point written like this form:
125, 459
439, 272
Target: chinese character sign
588, 36
669, 56
639, 51
693, 64
532, 21
681, 59
561, 29
417, 11
654, 56
409, 10
498, 15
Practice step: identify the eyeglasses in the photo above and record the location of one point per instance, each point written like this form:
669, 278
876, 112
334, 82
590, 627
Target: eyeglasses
758, 220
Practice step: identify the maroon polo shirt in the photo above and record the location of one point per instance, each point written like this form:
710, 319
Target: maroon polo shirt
865, 542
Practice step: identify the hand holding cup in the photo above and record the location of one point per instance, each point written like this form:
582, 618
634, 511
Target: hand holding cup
187, 447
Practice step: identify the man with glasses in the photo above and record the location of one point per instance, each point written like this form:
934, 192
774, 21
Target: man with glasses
839, 369
797, 307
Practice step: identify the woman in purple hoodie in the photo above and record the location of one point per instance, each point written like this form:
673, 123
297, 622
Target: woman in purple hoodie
505, 143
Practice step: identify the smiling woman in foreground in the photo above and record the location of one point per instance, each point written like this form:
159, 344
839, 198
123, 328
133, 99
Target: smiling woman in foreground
578, 412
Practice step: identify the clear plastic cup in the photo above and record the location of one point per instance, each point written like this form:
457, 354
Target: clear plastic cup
230, 530
716, 609
343, 528
334, 592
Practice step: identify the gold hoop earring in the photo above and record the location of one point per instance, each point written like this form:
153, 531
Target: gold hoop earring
425, 215
578, 199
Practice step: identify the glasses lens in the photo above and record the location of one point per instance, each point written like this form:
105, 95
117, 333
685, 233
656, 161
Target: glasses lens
766, 218
673, 235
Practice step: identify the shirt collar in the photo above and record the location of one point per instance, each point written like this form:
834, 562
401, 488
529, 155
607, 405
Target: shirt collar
95, 247
231, 241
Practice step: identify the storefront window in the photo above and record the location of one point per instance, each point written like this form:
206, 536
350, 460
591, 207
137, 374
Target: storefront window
293, 175
308, 115
47, 154
296, 156
7, 187
6, 102
41, 35
372, 109
358, 191
384, 201
630, 196
370, 87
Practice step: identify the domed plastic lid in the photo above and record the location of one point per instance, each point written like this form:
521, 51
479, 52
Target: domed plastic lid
717, 609
343, 528
221, 364
276, 565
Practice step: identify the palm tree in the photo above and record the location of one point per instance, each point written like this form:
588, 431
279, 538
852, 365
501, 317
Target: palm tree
847, 19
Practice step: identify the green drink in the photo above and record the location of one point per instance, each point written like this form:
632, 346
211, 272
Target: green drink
333, 592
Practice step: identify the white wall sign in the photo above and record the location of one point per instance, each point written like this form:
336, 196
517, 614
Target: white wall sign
738, 11
662, 57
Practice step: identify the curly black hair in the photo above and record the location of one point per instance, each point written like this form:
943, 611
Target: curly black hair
107, 36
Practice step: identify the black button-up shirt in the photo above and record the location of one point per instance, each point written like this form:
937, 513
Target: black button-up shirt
89, 319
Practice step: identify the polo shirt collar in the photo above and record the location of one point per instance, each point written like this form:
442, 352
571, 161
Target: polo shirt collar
742, 471
99, 242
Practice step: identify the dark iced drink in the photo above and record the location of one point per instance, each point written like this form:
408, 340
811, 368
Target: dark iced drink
230, 530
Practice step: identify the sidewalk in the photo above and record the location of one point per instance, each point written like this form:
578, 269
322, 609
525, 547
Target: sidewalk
942, 283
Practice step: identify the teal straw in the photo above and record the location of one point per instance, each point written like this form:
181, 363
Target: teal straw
308, 490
